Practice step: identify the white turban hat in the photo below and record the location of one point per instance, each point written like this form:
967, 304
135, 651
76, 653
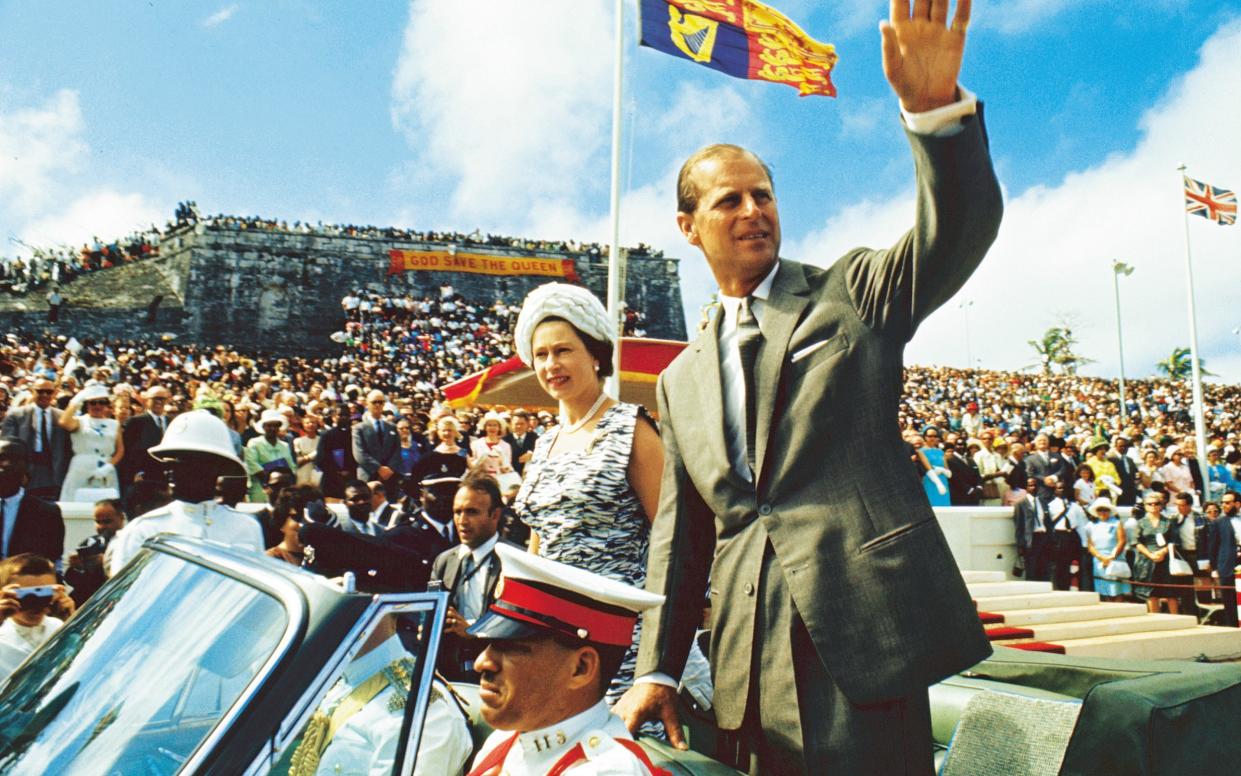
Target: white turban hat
561, 300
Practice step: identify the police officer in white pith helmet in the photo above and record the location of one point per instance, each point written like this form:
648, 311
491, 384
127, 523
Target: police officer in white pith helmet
197, 450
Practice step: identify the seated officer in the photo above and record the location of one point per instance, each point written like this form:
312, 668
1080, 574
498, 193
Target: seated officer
555, 637
357, 728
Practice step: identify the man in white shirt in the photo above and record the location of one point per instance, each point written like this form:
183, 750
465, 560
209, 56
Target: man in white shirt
991, 469
1064, 545
198, 450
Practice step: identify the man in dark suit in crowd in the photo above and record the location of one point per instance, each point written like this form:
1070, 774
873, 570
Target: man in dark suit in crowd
1223, 535
38, 425
428, 528
27, 523
1048, 466
383, 511
359, 509
785, 482
1128, 471
377, 446
468, 573
521, 439
141, 433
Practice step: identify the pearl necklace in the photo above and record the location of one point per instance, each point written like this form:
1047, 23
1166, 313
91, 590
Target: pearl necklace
568, 428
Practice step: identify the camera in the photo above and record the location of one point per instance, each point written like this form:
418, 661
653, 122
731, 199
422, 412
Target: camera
32, 599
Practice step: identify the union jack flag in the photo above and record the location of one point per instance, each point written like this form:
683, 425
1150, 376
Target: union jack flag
1203, 199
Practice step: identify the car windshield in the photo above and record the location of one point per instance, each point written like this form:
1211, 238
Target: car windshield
137, 680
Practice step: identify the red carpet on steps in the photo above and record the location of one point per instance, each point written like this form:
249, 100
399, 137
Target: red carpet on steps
1003, 634
990, 618
1039, 646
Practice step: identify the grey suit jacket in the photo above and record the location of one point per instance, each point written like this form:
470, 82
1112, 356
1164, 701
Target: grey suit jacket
865, 561
372, 449
1025, 520
20, 423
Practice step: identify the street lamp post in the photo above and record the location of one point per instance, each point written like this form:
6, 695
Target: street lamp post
1120, 268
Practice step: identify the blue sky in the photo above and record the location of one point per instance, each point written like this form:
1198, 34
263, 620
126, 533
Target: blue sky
456, 114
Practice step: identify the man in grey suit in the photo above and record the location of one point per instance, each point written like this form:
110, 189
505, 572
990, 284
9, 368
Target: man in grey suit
836, 602
38, 425
377, 446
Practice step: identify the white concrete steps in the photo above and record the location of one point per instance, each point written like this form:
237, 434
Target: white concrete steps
1082, 624
1029, 618
971, 577
1058, 598
1058, 632
1007, 588
1184, 644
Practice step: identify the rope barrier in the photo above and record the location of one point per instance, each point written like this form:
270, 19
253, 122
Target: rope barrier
1167, 584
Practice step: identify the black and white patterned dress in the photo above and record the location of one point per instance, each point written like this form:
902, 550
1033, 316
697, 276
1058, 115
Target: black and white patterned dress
586, 513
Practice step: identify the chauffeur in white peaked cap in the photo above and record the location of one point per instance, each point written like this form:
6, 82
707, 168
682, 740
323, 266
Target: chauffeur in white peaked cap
555, 637
198, 450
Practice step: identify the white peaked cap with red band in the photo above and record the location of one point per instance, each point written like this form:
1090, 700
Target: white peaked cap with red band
536, 596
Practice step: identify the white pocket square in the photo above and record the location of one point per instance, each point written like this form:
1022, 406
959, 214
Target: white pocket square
809, 349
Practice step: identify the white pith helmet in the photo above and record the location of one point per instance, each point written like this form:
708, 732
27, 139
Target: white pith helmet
200, 432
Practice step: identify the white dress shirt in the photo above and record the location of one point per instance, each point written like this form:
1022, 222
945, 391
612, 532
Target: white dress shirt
18, 641
732, 377
470, 592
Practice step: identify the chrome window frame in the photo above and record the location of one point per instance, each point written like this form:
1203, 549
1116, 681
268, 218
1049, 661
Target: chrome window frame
218, 558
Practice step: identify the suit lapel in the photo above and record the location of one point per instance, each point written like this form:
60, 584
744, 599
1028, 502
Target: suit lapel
781, 312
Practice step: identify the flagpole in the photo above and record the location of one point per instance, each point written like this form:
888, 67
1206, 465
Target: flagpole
614, 292
1200, 432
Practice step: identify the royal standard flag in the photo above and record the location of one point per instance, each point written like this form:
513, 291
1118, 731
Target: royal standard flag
742, 38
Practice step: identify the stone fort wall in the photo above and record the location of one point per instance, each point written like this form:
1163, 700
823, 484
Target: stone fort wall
281, 291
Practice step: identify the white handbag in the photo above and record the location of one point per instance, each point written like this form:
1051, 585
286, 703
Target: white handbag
1117, 569
1178, 567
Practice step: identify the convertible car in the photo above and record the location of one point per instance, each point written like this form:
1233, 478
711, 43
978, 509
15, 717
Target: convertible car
201, 659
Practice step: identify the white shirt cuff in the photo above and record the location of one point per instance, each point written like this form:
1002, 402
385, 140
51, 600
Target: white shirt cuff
657, 678
944, 120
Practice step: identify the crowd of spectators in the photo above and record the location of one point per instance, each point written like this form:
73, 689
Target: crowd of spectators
1078, 406
409, 347
53, 267
477, 238
416, 345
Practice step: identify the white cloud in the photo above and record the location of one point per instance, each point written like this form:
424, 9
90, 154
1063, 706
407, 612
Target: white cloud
106, 213
510, 100
1055, 248
220, 16
37, 145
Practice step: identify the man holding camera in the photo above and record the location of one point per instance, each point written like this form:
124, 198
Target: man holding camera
86, 571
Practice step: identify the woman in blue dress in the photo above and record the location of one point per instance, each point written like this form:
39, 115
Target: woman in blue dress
934, 480
1105, 541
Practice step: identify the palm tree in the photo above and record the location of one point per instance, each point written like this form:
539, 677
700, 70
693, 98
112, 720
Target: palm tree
1178, 365
1055, 350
